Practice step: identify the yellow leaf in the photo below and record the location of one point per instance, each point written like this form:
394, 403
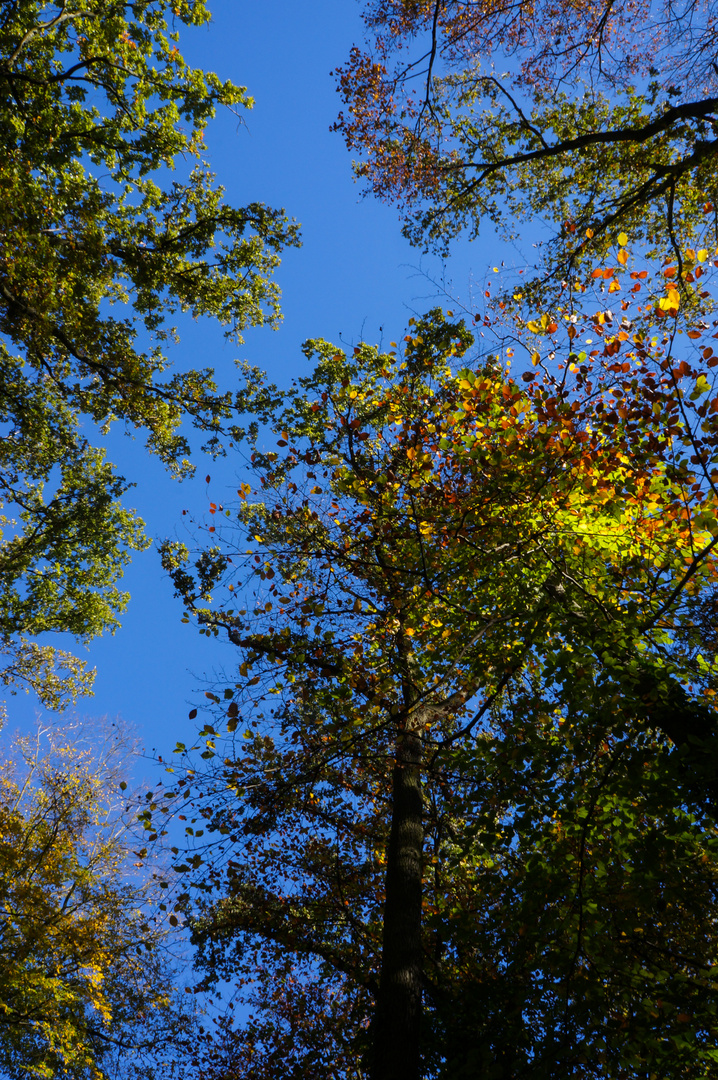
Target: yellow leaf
622, 239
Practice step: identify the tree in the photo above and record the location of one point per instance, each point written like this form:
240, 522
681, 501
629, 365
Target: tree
428, 535
86, 982
567, 912
97, 106
594, 117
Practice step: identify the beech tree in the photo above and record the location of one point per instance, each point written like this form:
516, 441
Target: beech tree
567, 908
592, 117
450, 566
101, 246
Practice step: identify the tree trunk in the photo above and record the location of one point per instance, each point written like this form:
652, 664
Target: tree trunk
397, 1032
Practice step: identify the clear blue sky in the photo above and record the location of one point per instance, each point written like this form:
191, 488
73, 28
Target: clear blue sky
353, 275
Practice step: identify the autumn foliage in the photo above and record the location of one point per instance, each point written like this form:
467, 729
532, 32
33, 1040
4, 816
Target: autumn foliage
472, 640
591, 116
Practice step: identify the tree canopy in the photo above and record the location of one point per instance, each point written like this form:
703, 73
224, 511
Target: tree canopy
592, 117
454, 814
86, 983
472, 653
103, 243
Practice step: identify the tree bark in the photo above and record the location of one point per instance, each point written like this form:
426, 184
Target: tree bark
397, 1031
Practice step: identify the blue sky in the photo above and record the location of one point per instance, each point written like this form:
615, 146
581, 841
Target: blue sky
353, 276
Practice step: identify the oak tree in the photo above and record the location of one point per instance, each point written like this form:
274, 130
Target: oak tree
110, 225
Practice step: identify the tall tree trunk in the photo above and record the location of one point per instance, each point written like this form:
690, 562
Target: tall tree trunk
397, 1032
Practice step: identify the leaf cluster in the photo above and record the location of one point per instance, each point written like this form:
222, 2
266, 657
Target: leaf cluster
100, 245
588, 116
510, 570
86, 982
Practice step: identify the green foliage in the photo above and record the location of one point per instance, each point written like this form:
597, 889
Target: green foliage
101, 245
570, 922
567, 914
483, 588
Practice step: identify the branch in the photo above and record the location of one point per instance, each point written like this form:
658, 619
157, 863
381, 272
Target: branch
697, 560
689, 110
64, 16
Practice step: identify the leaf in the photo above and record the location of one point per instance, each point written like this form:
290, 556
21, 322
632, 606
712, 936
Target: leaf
108, 95
520, 664
86, 952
